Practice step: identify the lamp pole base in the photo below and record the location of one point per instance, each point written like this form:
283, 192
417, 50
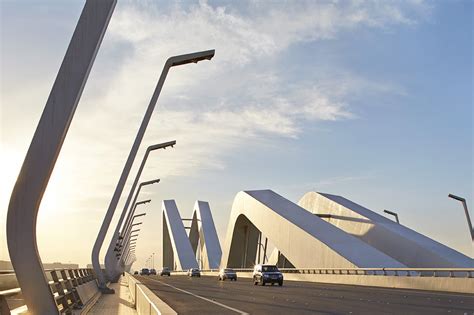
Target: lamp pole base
106, 290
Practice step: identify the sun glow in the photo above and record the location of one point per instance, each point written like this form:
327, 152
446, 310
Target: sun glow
10, 163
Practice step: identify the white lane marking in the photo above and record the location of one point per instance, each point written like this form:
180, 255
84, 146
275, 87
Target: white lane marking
203, 298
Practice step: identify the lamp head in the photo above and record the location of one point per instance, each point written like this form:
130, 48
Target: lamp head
150, 182
390, 212
191, 58
163, 145
142, 202
456, 198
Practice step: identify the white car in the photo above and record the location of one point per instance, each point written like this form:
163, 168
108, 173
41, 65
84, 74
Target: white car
227, 273
194, 272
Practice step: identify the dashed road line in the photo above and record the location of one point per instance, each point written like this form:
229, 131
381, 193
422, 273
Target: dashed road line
202, 298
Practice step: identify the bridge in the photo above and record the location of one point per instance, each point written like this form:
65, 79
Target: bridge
335, 255
304, 292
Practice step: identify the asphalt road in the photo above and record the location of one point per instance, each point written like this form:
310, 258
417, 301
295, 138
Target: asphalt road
206, 295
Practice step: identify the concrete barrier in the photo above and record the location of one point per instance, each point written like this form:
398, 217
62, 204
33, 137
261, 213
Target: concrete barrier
437, 284
146, 302
87, 291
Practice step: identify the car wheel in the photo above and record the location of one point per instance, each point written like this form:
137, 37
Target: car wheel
255, 282
262, 282
280, 283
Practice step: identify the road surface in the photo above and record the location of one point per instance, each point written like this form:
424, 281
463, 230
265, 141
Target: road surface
206, 295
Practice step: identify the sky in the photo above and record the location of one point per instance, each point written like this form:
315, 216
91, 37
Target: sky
370, 100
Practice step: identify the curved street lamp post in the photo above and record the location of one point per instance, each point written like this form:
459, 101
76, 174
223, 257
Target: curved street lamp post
466, 211
110, 262
171, 62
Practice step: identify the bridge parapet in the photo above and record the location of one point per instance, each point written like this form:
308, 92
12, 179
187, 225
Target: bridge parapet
72, 289
459, 280
145, 301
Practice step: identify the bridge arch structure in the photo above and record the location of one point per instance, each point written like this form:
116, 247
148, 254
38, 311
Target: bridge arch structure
179, 249
203, 237
302, 237
413, 249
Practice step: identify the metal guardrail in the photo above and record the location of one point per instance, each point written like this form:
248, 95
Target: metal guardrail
399, 272
63, 286
6, 272
4, 308
407, 272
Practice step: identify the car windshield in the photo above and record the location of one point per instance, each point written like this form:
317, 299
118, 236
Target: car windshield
195, 269
144, 269
269, 268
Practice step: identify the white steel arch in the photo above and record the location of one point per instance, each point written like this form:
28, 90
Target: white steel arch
177, 251
305, 239
203, 236
405, 245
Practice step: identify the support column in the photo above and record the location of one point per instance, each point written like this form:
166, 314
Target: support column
44, 151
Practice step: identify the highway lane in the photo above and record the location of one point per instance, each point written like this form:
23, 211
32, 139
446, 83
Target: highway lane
206, 295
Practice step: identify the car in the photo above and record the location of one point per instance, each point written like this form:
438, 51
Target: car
165, 272
152, 272
263, 274
227, 273
135, 273
145, 272
194, 272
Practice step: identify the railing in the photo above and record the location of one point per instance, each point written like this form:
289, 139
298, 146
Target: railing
408, 272
4, 308
63, 284
399, 272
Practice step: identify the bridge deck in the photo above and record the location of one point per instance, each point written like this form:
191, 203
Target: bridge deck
120, 303
206, 295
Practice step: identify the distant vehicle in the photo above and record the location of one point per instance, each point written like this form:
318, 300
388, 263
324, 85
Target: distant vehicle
194, 272
263, 274
227, 273
145, 272
165, 272
152, 272
136, 272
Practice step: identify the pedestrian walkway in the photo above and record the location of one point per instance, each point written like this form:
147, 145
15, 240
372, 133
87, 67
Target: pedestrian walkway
119, 303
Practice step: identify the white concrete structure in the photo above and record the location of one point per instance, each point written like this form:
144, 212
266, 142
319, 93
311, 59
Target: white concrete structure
203, 237
305, 239
403, 244
177, 251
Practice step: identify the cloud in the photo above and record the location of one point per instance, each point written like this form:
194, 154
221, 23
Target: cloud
246, 31
243, 95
